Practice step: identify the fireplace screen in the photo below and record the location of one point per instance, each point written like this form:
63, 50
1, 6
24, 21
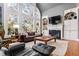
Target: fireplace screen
56, 33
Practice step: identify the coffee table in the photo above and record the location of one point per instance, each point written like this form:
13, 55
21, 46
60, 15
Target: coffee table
44, 39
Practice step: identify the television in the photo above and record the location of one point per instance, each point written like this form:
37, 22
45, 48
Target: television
55, 19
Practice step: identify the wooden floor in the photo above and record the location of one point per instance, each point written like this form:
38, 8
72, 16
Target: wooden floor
73, 48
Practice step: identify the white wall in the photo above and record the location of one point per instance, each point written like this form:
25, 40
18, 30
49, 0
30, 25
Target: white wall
5, 19
58, 10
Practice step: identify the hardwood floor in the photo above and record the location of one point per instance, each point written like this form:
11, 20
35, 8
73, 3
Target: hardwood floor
73, 48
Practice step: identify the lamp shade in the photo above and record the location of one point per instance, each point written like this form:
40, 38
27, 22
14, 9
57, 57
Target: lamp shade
15, 26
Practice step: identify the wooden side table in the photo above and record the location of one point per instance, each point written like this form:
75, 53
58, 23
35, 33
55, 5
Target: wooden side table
44, 39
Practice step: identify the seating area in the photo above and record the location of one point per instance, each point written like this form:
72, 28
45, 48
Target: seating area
19, 49
39, 29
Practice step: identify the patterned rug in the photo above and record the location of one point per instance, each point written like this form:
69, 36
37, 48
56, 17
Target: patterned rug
61, 46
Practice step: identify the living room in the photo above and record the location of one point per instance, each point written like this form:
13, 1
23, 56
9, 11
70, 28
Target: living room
39, 29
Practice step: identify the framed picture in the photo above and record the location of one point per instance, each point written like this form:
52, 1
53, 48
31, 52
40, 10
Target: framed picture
45, 24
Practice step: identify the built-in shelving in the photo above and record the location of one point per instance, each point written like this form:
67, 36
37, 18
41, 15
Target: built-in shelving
71, 24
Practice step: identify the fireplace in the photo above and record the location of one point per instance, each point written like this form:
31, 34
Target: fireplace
56, 33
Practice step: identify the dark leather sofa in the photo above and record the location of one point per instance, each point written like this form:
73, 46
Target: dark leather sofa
37, 50
19, 50
29, 37
15, 49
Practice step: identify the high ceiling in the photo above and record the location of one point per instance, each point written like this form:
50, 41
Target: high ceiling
45, 6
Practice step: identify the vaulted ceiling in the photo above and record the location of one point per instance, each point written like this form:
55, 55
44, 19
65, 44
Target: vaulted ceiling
45, 6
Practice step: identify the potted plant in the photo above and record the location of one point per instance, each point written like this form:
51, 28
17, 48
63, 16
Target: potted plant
1, 27
2, 32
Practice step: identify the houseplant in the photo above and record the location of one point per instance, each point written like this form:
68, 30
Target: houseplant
2, 32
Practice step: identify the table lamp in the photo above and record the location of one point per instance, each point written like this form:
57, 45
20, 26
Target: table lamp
16, 27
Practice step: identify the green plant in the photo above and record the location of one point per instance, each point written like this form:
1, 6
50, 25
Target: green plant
0, 23
1, 27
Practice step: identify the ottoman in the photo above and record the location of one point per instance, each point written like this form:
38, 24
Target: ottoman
43, 49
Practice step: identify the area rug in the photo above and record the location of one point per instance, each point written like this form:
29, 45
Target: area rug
61, 46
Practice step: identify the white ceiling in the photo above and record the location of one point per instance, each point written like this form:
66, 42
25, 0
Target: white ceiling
46, 6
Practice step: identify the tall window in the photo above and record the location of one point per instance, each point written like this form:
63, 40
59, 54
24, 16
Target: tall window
26, 15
